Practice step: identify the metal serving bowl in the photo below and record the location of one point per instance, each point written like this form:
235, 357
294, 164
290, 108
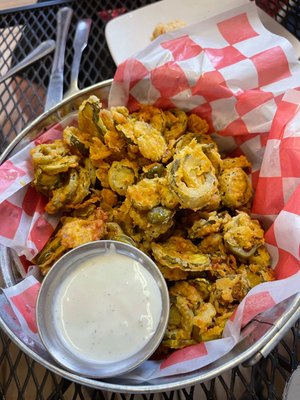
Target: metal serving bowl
258, 337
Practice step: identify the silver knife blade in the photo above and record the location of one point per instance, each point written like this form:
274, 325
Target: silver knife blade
55, 90
55, 87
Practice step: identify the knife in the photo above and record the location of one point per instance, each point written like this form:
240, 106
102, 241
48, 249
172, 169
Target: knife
55, 87
80, 43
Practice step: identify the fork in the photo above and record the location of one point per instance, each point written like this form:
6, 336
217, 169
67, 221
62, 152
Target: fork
80, 43
40, 51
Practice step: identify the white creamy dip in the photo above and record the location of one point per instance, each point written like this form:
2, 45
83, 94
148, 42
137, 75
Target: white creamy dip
108, 308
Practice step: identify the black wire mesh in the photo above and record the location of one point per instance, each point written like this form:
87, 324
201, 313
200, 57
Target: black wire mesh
286, 12
21, 100
23, 378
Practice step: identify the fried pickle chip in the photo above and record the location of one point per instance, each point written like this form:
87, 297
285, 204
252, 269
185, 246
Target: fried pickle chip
76, 231
77, 140
173, 274
192, 178
148, 139
152, 115
208, 223
204, 316
145, 194
73, 192
113, 231
50, 162
122, 175
197, 124
176, 124
98, 151
114, 141
236, 162
88, 117
235, 188
243, 235
261, 257
53, 158
227, 292
190, 316
256, 273
178, 252
150, 230
153, 170
73, 232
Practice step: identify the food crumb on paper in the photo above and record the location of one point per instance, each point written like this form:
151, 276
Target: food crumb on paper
162, 28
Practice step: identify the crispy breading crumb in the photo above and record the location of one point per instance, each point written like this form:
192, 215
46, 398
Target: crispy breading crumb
162, 28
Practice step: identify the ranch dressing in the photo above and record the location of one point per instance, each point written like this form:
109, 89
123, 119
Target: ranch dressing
108, 308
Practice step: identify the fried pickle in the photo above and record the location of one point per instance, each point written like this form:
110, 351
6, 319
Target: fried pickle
156, 180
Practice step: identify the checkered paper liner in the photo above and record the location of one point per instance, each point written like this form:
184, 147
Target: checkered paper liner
244, 81
25, 226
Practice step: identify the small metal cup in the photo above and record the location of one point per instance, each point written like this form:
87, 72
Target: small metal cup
50, 333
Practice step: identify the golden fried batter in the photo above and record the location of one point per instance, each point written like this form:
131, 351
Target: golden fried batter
190, 316
72, 233
235, 188
176, 124
162, 28
192, 177
178, 252
152, 115
71, 193
51, 161
197, 124
261, 257
155, 179
77, 140
75, 231
236, 162
173, 274
227, 292
145, 194
88, 117
148, 139
122, 175
243, 235
208, 223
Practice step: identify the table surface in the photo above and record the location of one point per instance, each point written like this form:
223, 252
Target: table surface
21, 100
8, 4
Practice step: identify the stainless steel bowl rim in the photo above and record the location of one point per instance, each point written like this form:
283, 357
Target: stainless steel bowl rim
257, 349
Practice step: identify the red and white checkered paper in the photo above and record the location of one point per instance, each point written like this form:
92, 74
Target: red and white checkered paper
24, 224
244, 81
